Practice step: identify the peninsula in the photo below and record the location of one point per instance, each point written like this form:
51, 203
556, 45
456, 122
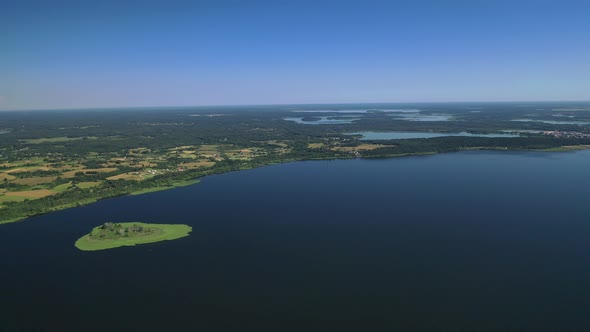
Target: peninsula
113, 235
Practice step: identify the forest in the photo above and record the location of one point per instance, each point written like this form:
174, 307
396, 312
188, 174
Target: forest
56, 159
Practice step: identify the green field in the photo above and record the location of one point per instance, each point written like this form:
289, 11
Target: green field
62, 187
100, 238
8, 198
174, 185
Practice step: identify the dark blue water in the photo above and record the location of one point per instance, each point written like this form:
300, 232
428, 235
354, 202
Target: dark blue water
463, 241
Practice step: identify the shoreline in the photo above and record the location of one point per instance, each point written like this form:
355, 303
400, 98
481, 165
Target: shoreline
196, 180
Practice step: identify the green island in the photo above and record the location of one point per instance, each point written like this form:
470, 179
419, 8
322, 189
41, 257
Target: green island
53, 162
113, 235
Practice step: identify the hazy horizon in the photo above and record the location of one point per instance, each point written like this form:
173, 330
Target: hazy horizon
115, 54
352, 104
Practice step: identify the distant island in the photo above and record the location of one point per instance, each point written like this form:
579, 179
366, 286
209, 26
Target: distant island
113, 235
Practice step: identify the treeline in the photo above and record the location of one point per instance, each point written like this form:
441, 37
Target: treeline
36, 173
116, 132
451, 144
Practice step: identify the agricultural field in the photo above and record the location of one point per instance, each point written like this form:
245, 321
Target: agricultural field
35, 178
57, 162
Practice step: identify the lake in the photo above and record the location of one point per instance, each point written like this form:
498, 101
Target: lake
362, 111
385, 135
421, 117
462, 241
325, 120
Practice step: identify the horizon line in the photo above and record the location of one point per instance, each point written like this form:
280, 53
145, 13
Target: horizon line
278, 105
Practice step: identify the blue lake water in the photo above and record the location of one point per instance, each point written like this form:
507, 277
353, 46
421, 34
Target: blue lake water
362, 111
375, 135
421, 117
324, 120
333, 111
464, 241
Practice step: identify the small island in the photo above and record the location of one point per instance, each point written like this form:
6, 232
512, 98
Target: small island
112, 235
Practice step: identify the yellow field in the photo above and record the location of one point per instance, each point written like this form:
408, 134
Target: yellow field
208, 147
126, 176
31, 193
24, 162
28, 169
198, 164
6, 176
315, 145
35, 180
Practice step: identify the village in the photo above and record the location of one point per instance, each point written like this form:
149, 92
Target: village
566, 134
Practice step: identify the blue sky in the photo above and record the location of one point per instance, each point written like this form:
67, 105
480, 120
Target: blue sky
79, 54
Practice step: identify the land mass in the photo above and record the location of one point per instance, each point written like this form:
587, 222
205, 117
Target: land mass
54, 160
113, 235
171, 186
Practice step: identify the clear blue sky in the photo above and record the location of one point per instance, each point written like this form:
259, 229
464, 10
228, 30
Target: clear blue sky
77, 54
